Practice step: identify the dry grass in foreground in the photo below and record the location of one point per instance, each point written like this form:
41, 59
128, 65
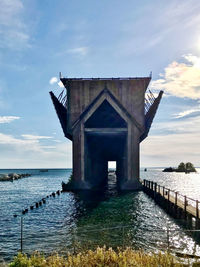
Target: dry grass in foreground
100, 257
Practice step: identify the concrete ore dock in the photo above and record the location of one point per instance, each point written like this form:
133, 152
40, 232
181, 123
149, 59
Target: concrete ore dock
106, 119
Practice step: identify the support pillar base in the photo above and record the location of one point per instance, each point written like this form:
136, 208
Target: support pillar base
131, 185
75, 186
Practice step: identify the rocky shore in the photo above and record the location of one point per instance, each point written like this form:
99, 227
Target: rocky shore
13, 176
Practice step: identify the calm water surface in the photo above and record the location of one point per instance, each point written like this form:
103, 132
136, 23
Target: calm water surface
71, 220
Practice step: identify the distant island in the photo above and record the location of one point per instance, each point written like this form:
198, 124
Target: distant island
182, 167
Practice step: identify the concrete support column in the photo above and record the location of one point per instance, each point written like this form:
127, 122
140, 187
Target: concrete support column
78, 161
132, 182
77, 157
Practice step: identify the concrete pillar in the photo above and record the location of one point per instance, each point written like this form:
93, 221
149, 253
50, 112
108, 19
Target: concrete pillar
132, 181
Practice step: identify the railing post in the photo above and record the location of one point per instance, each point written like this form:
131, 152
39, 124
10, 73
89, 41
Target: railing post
168, 194
163, 191
155, 187
185, 205
176, 194
197, 209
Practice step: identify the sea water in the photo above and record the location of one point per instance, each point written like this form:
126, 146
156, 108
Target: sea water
90, 220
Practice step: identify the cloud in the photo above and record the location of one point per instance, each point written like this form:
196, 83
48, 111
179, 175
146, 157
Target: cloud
169, 143
181, 79
60, 84
185, 113
191, 125
35, 137
168, 20
30, 151
13, 31
6, 139
80, 51
178, 141
53, 80
8, 119
171, 149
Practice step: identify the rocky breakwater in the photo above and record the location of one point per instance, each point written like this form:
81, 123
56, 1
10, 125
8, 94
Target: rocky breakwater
12, 176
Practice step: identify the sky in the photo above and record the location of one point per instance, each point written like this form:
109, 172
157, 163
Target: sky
90, 38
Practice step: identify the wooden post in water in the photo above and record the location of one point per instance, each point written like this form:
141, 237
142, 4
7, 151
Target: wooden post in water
159, 189
156, 187
21, 249
155, 190
163, 191
168, 241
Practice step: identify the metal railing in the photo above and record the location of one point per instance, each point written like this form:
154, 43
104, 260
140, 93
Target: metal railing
149, 100
62, 98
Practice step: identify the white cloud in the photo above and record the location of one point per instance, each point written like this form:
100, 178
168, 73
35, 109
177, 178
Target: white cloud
177, 141
171, 149
31, 152
53, 80
168, 20
13, 31
6, 139
181, 79
35, 137
186, 113
60, 84
81, 51
8, 119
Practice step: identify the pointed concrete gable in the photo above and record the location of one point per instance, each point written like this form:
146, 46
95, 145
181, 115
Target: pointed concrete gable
106, 95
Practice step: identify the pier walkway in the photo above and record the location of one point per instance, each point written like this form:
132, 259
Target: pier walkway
176, 204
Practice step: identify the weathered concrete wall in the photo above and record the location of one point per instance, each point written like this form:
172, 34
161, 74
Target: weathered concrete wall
129, 92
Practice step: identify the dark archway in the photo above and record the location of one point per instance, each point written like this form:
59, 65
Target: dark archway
105, 117
105, 140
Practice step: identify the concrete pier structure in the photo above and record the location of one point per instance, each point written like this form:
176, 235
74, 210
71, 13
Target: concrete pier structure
106, 119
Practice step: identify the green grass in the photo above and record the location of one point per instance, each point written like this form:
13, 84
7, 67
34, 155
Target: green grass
101, 257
